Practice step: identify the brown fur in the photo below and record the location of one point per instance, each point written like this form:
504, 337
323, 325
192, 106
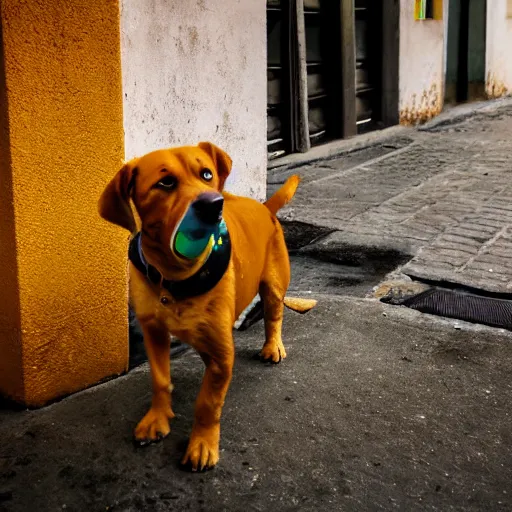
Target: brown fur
259, 263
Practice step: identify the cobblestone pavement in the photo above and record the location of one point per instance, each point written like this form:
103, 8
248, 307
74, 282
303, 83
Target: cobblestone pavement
441, 195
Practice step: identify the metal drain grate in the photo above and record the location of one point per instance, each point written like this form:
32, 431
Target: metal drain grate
461, 306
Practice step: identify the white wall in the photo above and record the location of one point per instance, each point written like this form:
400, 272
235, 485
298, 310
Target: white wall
499, 50
421, 71
196, 70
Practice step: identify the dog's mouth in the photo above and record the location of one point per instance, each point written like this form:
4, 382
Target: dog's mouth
192, 237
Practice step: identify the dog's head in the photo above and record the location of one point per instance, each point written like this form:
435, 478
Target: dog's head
176, 192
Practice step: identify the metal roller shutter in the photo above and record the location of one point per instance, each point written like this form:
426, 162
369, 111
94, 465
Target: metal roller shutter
368, 63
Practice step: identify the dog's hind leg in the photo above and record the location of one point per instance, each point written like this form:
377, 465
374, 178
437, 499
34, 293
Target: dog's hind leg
273, 287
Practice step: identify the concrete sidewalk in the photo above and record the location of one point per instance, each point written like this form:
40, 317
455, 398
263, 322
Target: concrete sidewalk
442, 195
375, 408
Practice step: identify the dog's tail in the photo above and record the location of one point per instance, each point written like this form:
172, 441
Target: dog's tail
283, 195
299, 305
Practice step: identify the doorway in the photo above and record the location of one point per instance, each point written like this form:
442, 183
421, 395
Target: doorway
332, 70
466, 47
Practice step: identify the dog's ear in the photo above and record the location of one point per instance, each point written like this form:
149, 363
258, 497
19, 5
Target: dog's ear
114, 203
221, 159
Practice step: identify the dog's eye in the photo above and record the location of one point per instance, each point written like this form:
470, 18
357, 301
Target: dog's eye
206, 174
167, 182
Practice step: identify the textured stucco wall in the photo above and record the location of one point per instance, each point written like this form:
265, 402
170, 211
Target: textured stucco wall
421, 68
499, 50
65, 139
196, 70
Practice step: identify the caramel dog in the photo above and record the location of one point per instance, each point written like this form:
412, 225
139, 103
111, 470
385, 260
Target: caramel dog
189, 297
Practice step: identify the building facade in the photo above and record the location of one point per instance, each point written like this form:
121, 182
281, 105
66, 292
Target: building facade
337, 69
85, 85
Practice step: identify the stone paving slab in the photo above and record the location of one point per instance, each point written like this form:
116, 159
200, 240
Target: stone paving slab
445, 198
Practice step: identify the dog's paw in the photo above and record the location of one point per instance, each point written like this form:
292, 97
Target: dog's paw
202, 454
272, 353
154, 426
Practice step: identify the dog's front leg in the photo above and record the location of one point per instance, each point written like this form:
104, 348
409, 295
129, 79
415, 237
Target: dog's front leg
203, 447
155, 424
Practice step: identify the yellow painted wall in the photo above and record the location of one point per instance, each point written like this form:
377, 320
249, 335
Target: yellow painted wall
65, 136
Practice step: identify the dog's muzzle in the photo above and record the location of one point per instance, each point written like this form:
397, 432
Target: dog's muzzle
200, 226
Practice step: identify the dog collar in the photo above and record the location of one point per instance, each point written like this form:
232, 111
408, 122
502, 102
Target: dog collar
204, 280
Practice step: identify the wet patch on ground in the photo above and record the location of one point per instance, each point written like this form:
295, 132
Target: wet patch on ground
350, 270
311, 274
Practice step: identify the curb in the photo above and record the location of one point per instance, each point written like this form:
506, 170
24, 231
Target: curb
337, 148
462, 112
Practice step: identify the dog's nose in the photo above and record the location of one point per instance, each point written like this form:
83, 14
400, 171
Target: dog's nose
208, 207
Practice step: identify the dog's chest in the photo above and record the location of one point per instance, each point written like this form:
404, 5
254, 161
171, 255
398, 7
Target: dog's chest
178, 316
